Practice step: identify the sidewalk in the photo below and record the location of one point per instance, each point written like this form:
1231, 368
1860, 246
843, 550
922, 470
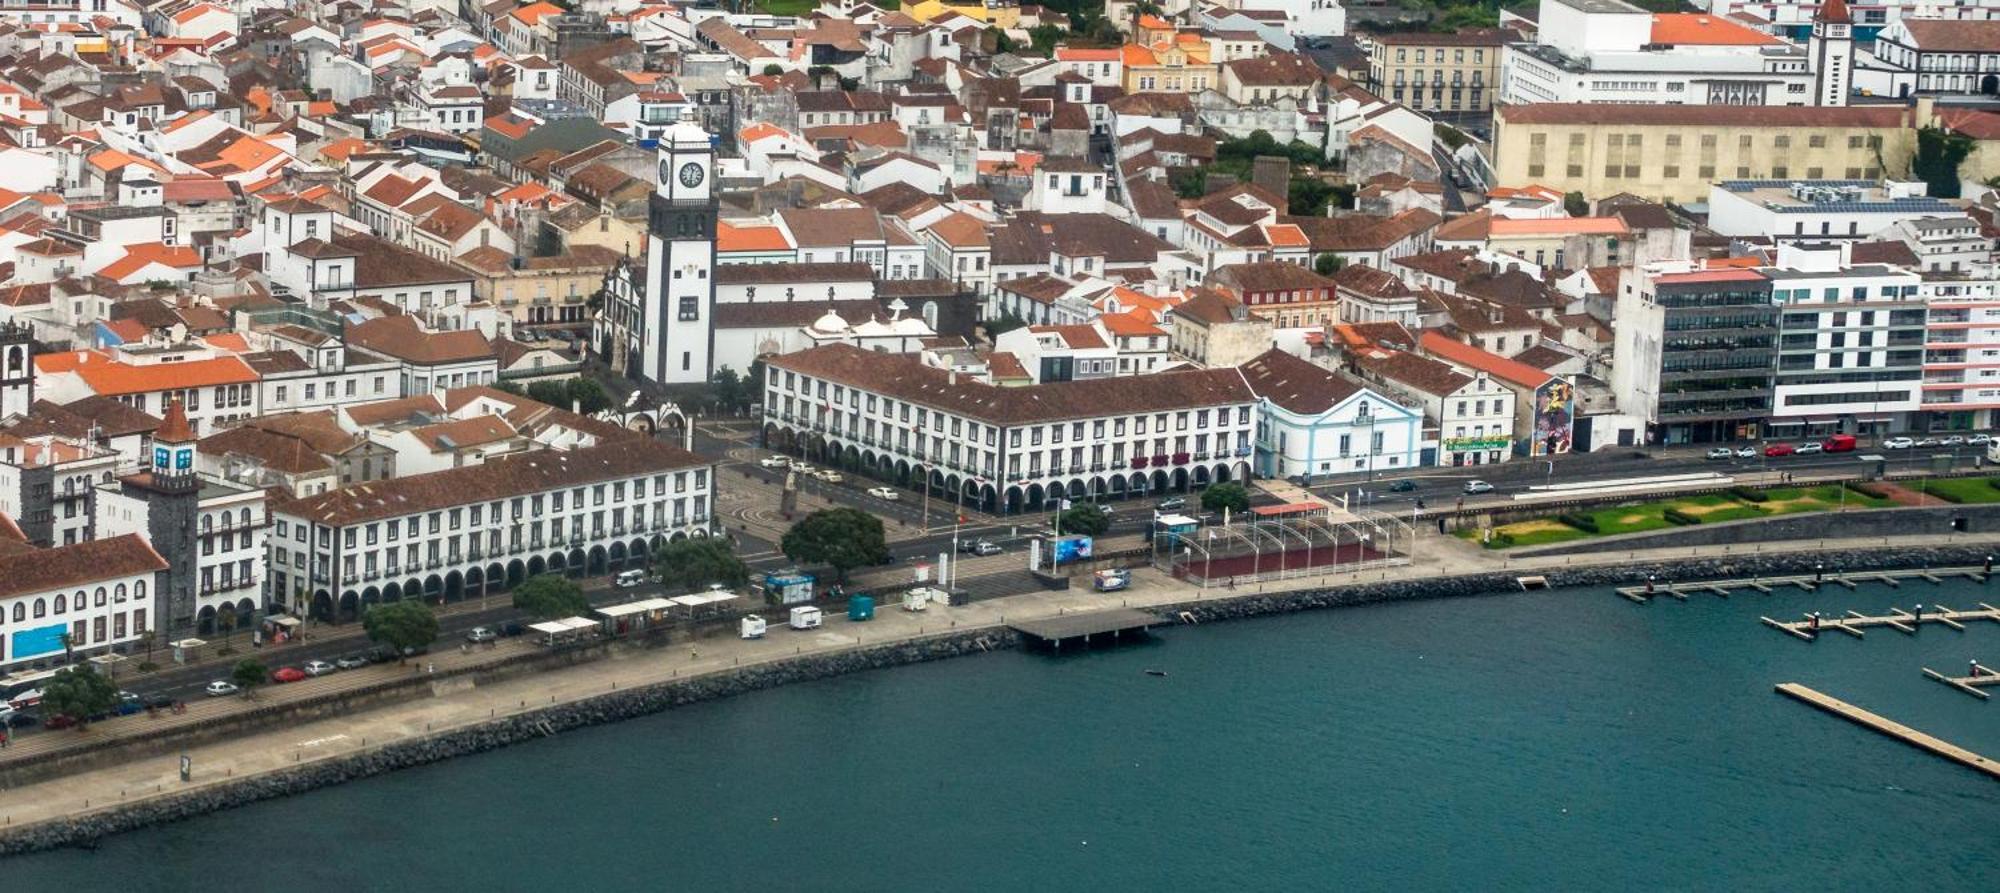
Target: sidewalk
465, 705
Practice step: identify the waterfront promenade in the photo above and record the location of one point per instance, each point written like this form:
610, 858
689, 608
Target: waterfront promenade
457, 704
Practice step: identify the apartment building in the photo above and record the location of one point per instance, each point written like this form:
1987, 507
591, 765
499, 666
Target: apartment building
1438, 71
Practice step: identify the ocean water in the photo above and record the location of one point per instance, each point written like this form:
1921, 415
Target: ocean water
1566, 740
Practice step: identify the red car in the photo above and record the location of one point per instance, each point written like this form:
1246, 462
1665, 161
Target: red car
287, 674
1780, 449
61, 721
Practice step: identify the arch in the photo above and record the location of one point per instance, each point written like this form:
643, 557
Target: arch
413, 588
951, 486
1222, 475
496, 576
1035, 496
392, 592
536, 567
989, 498
641, 553
1180, 480
574, 563
246, 612
1242, 474
654, 542
475, 582
1115, 486
1989, 85
350, 606
1078, 489
1201, 475
767, 435
370, 597
1137, 483
868, 459
678, 536
851, 458
433, 587
204, 621
615, 556
1016, 500
322, 605
516, 572
1158, 483
454, 586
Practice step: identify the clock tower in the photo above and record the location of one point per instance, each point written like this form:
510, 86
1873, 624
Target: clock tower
677, 324
1832, 47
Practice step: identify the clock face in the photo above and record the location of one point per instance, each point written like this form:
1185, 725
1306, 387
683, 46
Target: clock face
666, 170
691, 174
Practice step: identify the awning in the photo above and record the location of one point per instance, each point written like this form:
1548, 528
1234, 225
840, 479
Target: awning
188, 643
655, 604
689, 601
578, 624
286, 622
549, 628
625, 610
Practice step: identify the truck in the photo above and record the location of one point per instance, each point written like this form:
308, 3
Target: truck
1838, 443
806, 617
1111, 580
753, 626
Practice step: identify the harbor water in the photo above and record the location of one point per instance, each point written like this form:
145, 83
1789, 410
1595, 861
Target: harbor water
1565, 740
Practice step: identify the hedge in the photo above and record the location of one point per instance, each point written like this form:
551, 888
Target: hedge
1676, 516
1749, 494
1869, 490
1585, 523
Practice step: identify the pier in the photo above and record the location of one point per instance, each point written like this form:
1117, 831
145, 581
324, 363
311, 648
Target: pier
1890, 728
1054, 631
1972, 684
1854, 622
1808, 582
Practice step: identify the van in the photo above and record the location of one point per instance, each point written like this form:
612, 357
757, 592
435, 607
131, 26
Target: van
806, 617
1839, 443
1111, 580
631, 578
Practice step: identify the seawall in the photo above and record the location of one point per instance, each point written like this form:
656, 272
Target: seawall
645, 700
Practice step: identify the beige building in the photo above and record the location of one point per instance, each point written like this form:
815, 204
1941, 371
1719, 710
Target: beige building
1214, 329
540, 290
1438, 71
1673, 152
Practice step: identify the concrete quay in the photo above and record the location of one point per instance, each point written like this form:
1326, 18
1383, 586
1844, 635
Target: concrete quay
467, 714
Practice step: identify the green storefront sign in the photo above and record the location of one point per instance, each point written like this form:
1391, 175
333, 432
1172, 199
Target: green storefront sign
1461, 444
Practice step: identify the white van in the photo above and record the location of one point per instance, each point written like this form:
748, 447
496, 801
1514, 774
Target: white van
806, 617
629, 579
753, 626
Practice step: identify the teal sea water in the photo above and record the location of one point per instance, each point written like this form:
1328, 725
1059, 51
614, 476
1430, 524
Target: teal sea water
1565, 740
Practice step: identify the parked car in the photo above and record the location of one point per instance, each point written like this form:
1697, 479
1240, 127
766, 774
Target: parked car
888, 493
159, 702
1954, 440
1927, 442
1898, 443
1978, 440
480, 634
774, 461
1403, 486
1721, 453
1172, 503
1779, 449
220, 688
61, 721
629, 579
283, 675
801, 467
1810, 447
828, 475
1476, 487
511, 629
128, 704
1838, 443
1748, 452
980, 547
352, 662
319, 668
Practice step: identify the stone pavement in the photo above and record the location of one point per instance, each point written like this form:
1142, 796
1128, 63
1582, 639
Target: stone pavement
459, 704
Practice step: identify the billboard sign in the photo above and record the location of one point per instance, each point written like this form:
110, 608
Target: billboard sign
1555, 416
1071, 548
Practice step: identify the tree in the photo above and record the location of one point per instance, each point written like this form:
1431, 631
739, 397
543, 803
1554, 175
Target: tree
589, 396
728, 388
841, 538
225, 622
1045, 38
1002, 324
1189, 182
1227, 495
80, 693
248, 674
1939, 154
1463, 17
1086, 519
773, 71
695, 563
1329, 264
549, 596
1575, 205
69, 647
405, 625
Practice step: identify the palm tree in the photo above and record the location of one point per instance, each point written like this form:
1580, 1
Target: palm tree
146, 638
69, 648
225, 622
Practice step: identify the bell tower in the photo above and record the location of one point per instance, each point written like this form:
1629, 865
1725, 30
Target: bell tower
680, 259
17, 370
1832, 48
173, 452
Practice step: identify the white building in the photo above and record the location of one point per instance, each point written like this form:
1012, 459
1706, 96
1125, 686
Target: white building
1314, 423
1612, 51
99, 593
1817, 210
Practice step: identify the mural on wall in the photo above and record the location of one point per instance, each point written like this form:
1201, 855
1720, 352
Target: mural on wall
1555, 417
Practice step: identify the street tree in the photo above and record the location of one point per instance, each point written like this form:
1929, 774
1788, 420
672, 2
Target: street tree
69, 647
696, 563
1329, 264
841, 538
1227, 495
549, 596
78, 692
1086, 519
403, 625
248, 674
1575, 205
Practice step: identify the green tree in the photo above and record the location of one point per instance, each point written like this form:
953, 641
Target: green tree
549, 596
1309, 196
728, 389
225, 622
1575, 205
841, 538
773, 71
248, 674
78, 692
1189, 182
587, 394
695, 563
404, 625
1045, 38
1005, 322
69, 647
1085, 518
1465, 17
1227, 495
1328, 264
1939, 154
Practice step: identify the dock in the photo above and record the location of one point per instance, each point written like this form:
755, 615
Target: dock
1807, 582
1890, 728
1054, 631
1971, 684
1854, 622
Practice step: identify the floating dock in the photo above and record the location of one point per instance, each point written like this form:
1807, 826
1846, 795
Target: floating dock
1897, 619
1807, 582
1890, 728
1054, 631
1981, 676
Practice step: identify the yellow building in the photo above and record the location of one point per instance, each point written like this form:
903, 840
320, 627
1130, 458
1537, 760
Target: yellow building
1161, 59
1005, 16
1673, 152
1451, 71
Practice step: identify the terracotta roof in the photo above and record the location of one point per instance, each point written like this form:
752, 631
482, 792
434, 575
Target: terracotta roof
402, 338
1296, 385
502, 477
1422, 373
475, 431
174, 428
1077, 337
1030, 236
1702, 29
386, 411
905, 377
82, 564
112, 417
1463, 354
1276, 69
961, 230
1540, 226
106, 376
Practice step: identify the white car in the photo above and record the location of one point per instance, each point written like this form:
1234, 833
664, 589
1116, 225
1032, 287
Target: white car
1721, 453
219, 688
888, 493
318, 668
774, 461
1477, 487
1954, 440
1749, 452
828, 475
1810, 447
801, 467
1979, 440
1898, 443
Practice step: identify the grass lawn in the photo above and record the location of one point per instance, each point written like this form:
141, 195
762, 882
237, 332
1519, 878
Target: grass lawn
788, 7
1715, 508
1959, 489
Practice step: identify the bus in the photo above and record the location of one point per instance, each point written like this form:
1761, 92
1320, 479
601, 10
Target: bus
22, 690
